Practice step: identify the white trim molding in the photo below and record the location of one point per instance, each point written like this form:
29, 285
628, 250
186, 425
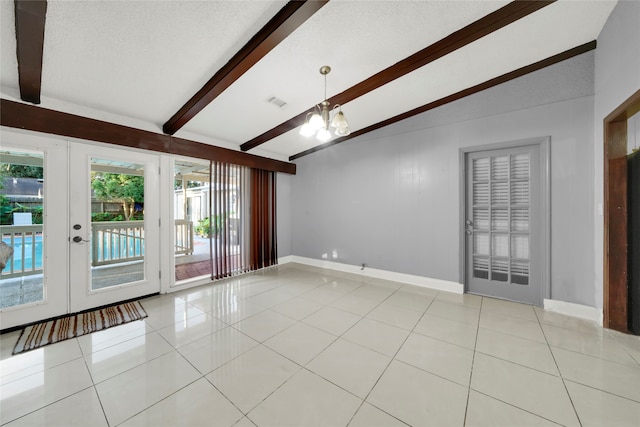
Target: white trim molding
426, 282
575, 310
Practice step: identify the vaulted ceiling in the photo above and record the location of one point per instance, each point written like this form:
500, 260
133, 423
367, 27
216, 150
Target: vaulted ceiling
206, 70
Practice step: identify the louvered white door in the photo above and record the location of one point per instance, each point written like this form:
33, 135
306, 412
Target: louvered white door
502, 224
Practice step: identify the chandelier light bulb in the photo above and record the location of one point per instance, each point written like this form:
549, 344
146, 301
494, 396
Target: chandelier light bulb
339, 120
307, 130
323, 135
342, 131
316, 121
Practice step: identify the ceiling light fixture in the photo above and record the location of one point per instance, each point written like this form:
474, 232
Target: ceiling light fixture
318, 121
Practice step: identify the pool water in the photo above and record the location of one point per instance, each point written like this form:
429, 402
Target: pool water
29, 260
30, 257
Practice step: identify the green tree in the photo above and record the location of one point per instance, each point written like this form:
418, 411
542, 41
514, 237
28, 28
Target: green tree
21, 171
127, 189
17, 171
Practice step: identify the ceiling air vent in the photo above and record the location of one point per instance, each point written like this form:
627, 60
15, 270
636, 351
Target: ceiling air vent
276, 101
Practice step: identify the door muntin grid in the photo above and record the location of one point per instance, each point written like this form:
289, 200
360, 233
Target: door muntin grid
501, 197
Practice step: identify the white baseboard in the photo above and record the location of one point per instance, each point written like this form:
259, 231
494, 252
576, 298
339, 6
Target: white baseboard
427, 282
285, 259
575, 310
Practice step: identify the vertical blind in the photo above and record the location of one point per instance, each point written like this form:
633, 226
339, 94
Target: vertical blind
243, 219
263, 252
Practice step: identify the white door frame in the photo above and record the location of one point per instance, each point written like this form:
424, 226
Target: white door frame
544, 144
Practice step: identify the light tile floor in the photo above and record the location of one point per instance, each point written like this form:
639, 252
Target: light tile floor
301, 346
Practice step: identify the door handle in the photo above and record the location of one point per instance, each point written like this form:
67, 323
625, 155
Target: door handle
78, 239
469, 232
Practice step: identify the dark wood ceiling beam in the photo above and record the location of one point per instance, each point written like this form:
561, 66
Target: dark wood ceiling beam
456, 96
30, 18
467, 35
29, 117
290, 17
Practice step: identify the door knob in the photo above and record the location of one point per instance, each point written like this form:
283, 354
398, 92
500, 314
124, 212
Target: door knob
78, 239
469, 232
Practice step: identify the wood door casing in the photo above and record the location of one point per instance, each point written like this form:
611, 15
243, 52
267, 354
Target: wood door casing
616, 215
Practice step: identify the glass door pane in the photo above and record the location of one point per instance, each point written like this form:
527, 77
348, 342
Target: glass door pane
21, 225
117, 223
191, 220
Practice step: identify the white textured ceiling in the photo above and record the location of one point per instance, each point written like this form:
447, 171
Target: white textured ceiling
144, 59
357, 39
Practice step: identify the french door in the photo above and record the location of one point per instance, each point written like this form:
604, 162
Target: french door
113, 225
33, 283
89, 235
503, 224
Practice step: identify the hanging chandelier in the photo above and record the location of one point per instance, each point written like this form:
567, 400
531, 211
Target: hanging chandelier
318, 121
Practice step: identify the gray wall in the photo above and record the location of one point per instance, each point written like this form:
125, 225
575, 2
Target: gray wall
617, 77
283, 207
390, 199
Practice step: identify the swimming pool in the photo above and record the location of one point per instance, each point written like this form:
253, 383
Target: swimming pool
30, 259
24, 260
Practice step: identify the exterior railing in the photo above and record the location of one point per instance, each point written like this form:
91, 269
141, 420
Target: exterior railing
26, 241
111, 242
183, 237
116, 241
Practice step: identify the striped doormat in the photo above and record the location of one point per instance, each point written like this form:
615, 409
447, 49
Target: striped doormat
75, 325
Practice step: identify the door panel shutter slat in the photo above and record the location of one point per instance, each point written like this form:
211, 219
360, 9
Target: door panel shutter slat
481, 219
500, 168
520, 219
481, 169
520, 166
519, 192
500, 219
481, 243
499, 244
481, 194
500, 193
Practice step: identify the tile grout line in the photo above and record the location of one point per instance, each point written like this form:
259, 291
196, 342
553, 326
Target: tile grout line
391, 361
276, 352
204, 377
473, 360
93, 385
604, 391
302, 367
564, 384
517, 407
228, 399
200, 377
483, 306
592, 356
